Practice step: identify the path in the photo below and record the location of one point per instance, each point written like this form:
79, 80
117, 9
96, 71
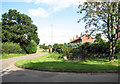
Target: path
10, 62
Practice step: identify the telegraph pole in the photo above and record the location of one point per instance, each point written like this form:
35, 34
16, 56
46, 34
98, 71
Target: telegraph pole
52, 36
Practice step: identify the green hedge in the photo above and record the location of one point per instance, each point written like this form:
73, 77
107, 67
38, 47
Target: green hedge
31, 47
10, 47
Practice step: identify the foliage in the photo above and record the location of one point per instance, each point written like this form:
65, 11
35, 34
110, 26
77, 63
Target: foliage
92, 51
117, 50
73, 45
10, 47
18, 28
32, 47
60, 48
55, 46
103, 16
44, 46
98, 38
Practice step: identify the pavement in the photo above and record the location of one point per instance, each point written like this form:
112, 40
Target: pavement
15, 74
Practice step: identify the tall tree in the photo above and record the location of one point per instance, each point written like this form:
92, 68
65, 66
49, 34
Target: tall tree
105, 17
18, 28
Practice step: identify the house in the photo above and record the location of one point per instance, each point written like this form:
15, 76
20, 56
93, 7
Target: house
83, 38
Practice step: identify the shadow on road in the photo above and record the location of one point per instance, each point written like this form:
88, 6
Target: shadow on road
41, 76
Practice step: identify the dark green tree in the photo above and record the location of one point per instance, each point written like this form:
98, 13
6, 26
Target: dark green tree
18, 28
105, 17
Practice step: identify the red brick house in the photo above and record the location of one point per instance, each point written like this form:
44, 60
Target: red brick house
83, 38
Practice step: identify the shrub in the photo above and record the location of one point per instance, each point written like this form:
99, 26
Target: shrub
117, 50
31, 47
59, 48
10, 47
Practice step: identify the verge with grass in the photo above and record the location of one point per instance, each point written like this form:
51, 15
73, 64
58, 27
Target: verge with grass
50, 62
6, 56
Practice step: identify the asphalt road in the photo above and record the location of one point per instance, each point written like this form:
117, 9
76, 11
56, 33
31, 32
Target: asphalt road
17, 75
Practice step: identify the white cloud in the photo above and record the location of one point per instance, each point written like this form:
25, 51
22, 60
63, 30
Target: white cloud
40, 12
58, 4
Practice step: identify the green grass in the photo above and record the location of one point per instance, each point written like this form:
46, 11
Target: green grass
6, 56
48, 62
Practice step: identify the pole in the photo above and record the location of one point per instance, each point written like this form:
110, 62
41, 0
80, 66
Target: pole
52, 36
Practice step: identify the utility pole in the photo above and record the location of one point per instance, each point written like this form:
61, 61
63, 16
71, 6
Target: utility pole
51, 38
51, 34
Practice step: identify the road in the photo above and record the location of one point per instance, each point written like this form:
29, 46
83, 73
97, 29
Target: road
21, 75
10, 62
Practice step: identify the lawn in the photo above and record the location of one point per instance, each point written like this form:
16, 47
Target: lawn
49, 62
6, 56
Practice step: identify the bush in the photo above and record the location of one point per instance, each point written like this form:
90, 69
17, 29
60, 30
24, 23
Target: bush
59, 48
10, 47
31, 47
117, 50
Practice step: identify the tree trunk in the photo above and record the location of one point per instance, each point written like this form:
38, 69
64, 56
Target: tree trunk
111, 58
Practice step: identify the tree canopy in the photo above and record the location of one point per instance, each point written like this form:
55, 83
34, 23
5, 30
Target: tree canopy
18, 28
102, 16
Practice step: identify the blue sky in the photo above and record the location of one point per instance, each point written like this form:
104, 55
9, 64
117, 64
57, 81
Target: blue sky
62, 14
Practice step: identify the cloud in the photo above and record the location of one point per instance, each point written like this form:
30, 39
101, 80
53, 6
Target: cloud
40, 12
58, 4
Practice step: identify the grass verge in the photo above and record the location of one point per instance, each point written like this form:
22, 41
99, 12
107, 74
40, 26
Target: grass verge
49, 62
6, 56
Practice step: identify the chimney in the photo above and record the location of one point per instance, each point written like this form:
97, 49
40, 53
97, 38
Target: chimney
86, 31
81, 33
73, 38
76, 36
70, 39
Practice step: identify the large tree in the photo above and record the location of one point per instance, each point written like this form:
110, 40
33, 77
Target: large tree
18, 28
105, 17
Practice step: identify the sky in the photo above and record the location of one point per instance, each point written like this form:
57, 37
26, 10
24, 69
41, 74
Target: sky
61, 14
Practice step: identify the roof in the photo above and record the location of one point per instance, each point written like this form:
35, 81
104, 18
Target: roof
81, 37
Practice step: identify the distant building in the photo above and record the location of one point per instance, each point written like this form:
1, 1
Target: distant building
83, 38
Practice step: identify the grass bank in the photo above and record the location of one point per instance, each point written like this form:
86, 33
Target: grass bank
6, 56
50, 61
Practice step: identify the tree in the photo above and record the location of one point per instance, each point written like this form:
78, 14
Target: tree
18, 28
105, 17
98, 38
